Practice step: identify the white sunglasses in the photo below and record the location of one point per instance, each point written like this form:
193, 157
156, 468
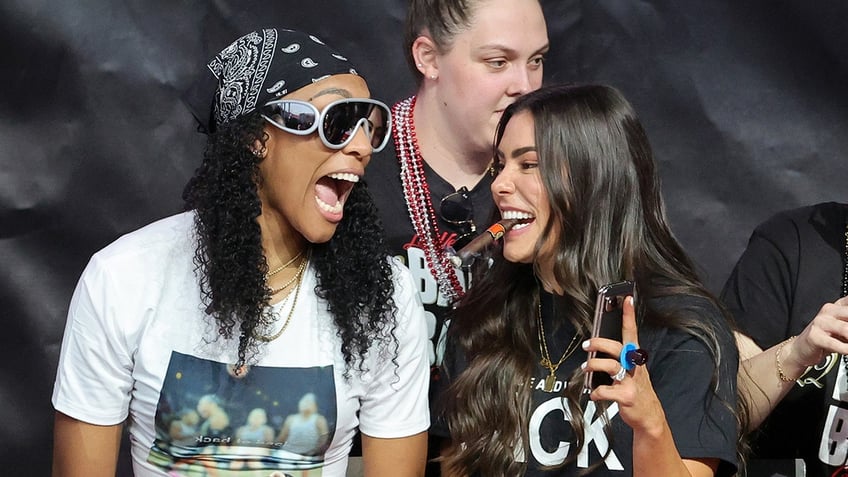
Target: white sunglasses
339, 121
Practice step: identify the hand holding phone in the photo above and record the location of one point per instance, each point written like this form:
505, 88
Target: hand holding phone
607, 323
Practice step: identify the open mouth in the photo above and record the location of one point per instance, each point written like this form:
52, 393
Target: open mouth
524, 219
332, 190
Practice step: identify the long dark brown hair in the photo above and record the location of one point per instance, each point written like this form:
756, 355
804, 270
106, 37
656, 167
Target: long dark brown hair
609, 223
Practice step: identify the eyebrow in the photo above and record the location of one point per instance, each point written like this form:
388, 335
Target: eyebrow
518, 152
497, 46
523, 150
341, 92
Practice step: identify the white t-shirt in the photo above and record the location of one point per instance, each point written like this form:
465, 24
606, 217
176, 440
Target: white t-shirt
139, 344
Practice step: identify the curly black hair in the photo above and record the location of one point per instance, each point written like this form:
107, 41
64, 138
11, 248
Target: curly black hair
231, 265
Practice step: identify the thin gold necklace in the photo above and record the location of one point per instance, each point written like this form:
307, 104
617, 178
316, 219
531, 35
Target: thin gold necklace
550, 380
294, 278
283, 266
268, 339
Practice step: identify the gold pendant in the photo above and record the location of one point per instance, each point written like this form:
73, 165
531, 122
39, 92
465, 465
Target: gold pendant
550, 381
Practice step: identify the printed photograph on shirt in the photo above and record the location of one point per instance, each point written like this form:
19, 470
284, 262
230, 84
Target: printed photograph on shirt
261, 418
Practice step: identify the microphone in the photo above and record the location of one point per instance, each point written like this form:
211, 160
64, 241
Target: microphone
468, 253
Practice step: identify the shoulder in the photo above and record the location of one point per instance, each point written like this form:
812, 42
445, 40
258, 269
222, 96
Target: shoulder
690, 305
814, 231
703, 324
153, 249
165, 233
791, 222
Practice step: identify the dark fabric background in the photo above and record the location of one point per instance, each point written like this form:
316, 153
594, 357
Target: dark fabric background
744, 103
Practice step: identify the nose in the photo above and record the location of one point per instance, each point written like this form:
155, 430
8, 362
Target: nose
360, 144
526, 79
502, 185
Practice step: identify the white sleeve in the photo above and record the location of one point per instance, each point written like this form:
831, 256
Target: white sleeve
396, 404
94, 378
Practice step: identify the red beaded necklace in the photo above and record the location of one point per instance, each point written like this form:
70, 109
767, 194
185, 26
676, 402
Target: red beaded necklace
416, 192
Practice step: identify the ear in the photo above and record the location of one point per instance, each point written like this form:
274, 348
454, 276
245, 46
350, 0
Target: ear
258, 149
426, 56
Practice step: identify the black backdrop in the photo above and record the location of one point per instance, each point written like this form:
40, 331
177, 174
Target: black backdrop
744, 102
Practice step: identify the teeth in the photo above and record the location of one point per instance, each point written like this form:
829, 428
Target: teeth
518, 215
333, 209
514, 214
344, 176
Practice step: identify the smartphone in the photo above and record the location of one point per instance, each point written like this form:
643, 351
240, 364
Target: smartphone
607, 323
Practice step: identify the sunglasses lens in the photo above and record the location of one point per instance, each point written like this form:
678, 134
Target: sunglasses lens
342, 119
456, 208
463, 240
291, 115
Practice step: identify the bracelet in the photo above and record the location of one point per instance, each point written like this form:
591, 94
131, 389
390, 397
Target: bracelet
780, 373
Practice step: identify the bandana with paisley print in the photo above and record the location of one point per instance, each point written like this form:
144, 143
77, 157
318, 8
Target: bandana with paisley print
259, 67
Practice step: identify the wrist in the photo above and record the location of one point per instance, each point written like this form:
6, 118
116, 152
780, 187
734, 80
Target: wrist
653, 427
789, 369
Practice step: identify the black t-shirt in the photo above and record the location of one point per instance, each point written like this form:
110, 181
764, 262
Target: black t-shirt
681, 367
791, 267
384, 183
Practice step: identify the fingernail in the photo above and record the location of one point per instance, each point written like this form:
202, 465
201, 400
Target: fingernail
632, 303
583, 366
585, 344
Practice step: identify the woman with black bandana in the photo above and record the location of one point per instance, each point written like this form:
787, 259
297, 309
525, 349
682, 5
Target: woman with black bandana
246, 299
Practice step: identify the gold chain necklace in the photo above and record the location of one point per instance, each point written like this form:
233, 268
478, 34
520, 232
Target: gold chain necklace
283, 266
550, 380
276, 335
295, 277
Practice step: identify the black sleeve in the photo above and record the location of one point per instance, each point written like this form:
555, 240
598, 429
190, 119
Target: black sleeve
759, 291
700, 411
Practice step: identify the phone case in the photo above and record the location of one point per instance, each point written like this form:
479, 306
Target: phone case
607, 323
